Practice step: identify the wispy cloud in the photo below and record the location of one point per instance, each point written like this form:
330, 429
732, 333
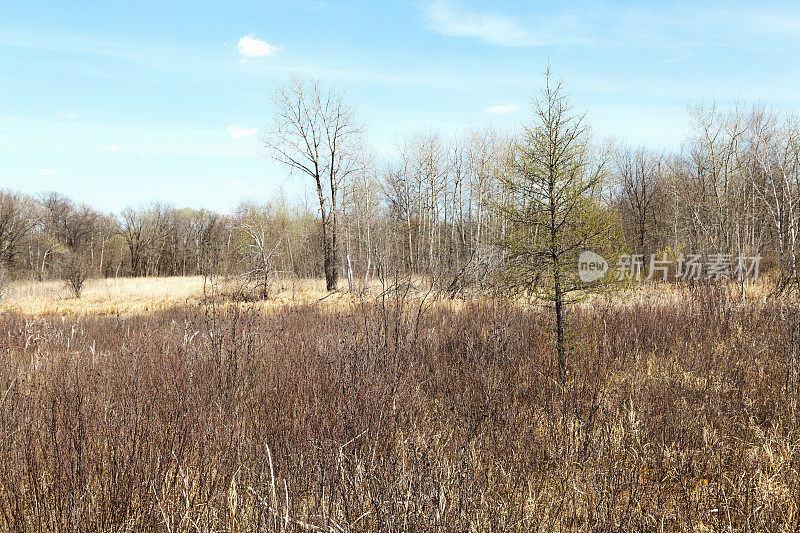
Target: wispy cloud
665, 27
143, 54
502, 109
240, 133
249, 46
68, 115
447, 19
46, 172
113, 148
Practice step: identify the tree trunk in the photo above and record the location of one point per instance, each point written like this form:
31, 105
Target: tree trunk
102, 255
265, 292
331, 266
349, 274
560, 348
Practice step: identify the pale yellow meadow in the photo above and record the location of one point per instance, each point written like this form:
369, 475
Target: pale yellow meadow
138, 295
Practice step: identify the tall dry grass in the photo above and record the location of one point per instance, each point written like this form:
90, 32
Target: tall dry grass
143, 295
677, 415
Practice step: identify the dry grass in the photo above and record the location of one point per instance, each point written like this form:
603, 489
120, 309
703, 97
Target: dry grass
103, 296
142, 295
678, 414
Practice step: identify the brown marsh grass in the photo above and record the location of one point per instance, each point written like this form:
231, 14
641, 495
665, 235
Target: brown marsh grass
141, 295
678, 414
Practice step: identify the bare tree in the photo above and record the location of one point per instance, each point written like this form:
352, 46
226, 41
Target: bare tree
776, 142
69, 225
203, 229
135, 232
487, 152
639, 195
74, 268
315, 133
260, 239
106, 229
15, 223
362, 213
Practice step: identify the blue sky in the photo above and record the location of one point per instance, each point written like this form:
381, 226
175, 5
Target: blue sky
123, 103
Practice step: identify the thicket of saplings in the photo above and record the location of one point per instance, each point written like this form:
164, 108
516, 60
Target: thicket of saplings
675, 414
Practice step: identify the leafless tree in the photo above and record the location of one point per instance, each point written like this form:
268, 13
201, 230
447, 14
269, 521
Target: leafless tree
776, 151
68, 224
639, 195
134, 227
74, 269
260, 240
315, 133
15, 223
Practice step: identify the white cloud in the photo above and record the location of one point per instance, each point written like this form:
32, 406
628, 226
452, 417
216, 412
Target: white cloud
113, 148
46, 172
503, 109
492, 28
249, 46
67, 115
240, 133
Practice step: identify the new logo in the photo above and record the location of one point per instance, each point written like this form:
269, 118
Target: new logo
591, 266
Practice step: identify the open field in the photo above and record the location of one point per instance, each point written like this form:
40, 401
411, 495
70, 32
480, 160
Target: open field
102, 296
147, 294
678, 414
141, 295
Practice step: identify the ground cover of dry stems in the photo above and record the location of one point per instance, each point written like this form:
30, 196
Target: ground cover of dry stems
678, 414
143, 295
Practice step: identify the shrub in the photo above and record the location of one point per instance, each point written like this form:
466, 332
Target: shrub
74, 269
679, 416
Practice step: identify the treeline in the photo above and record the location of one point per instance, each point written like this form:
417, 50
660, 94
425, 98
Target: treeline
431, 210
38, 234
734, 188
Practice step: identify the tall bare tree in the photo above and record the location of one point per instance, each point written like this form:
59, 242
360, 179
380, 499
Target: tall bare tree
639, 195
15, 223
134, 229
67, 224
315, 133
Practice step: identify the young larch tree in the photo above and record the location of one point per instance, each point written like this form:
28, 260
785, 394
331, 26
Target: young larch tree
553, 206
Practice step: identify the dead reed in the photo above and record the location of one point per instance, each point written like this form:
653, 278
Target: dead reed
676, 416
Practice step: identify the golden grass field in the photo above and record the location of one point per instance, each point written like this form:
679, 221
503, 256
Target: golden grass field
139, 295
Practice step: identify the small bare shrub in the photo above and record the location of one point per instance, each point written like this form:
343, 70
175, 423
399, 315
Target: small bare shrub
74, 269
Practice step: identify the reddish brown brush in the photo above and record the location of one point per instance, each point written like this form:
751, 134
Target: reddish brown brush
674, 416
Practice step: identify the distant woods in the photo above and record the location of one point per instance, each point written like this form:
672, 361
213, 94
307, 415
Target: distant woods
431, 209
